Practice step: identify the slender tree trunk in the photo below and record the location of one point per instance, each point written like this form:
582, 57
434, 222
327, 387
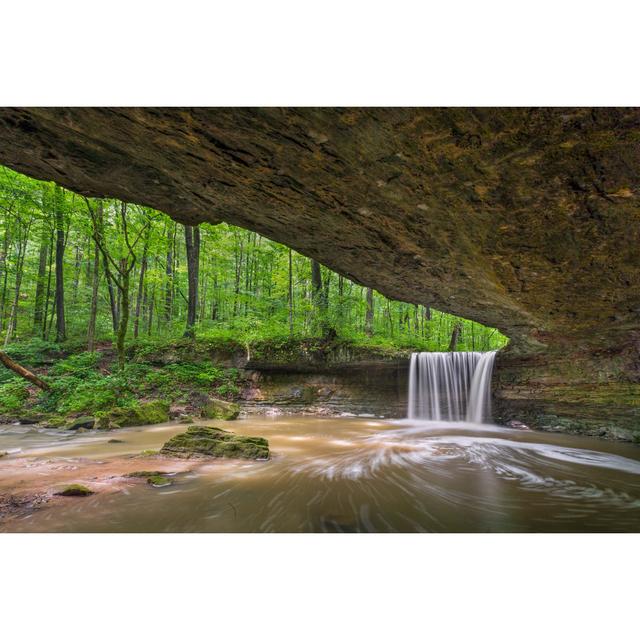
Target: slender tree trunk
317, 297
21, 371
192, 241
290, 293
141, 289
368, 323
168, 305
152, 301
41, 281
12, 324
61, 328
124, 319
455, 335
5, 274
47, 298
93, 314
76, 275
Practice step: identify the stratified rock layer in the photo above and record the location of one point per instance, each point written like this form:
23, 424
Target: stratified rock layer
524, 219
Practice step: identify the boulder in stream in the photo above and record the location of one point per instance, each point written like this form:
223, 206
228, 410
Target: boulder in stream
75, 490
216, 409
152, 412
200, 440
83, 422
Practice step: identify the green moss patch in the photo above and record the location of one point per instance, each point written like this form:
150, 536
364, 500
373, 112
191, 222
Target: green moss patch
152, 412
159, 481
75, 490
201, 440
216, 409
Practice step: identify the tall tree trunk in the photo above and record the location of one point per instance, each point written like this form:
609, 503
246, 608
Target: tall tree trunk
4, 256
317, 295
47, 297
61, 328
152, 301
41, 280
124, 318
455, 335
143, 269
368, 323
12, 324
93, 314
168, 305
21, 371
192, 241
76, 274
290, 293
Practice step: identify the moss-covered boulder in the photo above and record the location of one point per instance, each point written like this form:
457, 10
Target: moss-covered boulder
142, 474
83, 422
75, 490
200, 440
151, 412
215, 409
159, 481
54, 422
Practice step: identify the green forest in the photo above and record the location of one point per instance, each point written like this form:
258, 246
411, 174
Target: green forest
80, 275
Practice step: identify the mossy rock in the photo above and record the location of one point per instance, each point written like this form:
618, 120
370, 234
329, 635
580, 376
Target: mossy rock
148, 413
200, 440
29, 418
143, 474
216, 409
83, 422
159, 481
55, 422
75, 490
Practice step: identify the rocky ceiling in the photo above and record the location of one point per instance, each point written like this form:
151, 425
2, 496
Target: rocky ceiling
524, 219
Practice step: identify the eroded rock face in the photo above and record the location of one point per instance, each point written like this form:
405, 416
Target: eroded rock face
524, 219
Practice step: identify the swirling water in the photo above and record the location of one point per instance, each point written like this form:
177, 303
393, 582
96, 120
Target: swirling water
367, 475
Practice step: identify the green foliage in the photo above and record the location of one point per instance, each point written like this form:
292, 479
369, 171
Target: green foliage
243, 284
13, 395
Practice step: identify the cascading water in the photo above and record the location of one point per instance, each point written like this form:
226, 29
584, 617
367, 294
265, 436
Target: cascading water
451, 386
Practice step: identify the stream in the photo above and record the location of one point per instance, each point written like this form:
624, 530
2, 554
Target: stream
335, 475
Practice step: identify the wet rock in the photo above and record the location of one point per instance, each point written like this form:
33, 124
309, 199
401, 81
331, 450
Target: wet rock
159, 481
201, 440
114, 441
148, 452
142, 474
216, 409
83, 422
516, 424
34, 418
54, 422
152, 412
75, 490
185, 420
3, 454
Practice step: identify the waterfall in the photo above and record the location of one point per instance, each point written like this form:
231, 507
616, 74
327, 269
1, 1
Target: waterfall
451, 386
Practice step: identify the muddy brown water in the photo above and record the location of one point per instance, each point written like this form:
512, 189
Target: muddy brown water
350, 475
